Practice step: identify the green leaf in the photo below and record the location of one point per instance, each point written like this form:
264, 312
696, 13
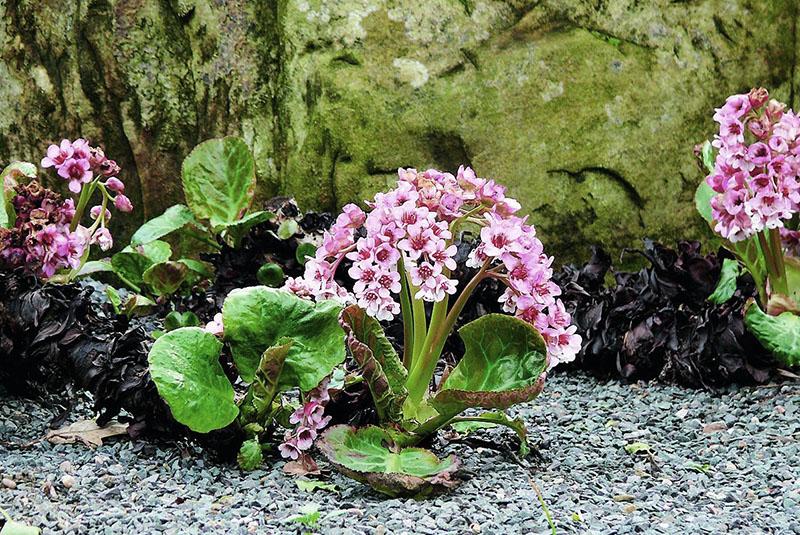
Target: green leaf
8, 180
176, 320
202, 268
131, 263
780, 335
17, 528
749, 252
155, 251
287, 229
265, 386
726, 286
469, 424
703, 468
708, 156
702, 200
174, 218
184, 365
219, 180
310, 485
95, 266
114, 298
309, 515
381, 367
304, 252
637, 447
165, 278
256, 318
271, 274
370, 456
504, 364
250, 457
792, 264
138, 304
236, 230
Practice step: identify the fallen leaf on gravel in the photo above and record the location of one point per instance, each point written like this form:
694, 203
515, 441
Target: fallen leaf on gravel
713, 427
86, 432
682, 413
638, 447
303, 466
310, 485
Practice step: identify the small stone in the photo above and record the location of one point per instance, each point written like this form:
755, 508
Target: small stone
628, 508
714, 427
68, 481
624, 498
9, 483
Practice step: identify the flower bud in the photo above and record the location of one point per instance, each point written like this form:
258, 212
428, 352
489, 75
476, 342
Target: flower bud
96, 158
123, 204
115, 185
758, 97
110, 168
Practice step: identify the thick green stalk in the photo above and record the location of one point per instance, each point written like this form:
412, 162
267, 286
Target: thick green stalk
422, 371
83, 200
420, 321
774, 262
780, 265
408, 317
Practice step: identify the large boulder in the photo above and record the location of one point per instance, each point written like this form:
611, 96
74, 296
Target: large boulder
587, 110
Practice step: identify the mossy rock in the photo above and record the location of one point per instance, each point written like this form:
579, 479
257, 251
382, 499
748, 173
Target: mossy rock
588, 114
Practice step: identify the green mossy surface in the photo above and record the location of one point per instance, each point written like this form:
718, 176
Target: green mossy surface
589, 114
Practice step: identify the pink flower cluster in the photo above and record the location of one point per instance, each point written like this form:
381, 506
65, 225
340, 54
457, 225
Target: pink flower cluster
411, 229
309, 419
79, 163
757, 167
40, 240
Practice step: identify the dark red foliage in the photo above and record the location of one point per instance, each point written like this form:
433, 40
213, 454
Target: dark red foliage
658, 323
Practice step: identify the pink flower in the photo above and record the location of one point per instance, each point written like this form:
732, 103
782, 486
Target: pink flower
77, 172
122, 203
352, 216
102, 237
288, 448
96, 211
81, 150
215, 326
58, 154
114, 184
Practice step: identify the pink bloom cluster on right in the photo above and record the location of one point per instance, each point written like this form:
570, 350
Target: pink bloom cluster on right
411, 229
756, 170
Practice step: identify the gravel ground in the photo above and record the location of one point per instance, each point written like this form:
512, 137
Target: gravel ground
718, 464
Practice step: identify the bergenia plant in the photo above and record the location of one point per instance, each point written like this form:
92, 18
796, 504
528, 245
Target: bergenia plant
403, 253
43, 233
219, 181
283, 349
751, 198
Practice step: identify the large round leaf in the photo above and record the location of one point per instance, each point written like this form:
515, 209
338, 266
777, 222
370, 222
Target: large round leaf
368, 455
219, 180
184, 365
780, 334
504, 364
256, 318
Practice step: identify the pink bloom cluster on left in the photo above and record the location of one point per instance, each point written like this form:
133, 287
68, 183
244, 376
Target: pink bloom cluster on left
46, 236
